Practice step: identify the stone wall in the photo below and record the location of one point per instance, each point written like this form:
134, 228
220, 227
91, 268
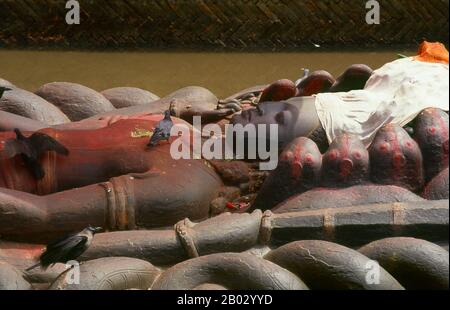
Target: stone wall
218, 24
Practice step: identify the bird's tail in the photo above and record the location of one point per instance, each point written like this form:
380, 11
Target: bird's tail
152, 142
33, 267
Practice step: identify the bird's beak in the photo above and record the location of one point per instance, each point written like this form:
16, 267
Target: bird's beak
7, 89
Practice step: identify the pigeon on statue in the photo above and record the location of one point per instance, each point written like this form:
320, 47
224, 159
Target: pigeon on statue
162, 130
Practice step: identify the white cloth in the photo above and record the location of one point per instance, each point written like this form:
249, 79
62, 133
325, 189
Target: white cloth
395, 93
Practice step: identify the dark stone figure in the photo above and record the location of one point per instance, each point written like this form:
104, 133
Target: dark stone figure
437, 188
353, 78
298, 171
431, 133
279, 90
395, 159
317, 82
346, 162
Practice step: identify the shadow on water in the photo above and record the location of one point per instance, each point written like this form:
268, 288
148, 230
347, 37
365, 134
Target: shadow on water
162, 73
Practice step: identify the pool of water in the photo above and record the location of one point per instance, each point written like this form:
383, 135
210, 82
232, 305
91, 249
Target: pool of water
162, 73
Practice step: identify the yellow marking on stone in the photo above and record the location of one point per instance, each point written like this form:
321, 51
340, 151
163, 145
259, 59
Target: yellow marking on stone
141, 133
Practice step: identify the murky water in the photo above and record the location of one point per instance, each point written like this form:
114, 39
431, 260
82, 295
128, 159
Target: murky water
162, 73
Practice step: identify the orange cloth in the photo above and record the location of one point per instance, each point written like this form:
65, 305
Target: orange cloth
432, 52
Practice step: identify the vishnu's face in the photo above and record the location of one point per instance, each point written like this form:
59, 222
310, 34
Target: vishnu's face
283, 114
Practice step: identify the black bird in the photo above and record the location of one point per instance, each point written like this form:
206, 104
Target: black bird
2, 90
67, 248
32, 148
162, 130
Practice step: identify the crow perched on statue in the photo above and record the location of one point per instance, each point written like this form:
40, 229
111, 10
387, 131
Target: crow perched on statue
162, 130
2, 90
67, 248
31, 150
